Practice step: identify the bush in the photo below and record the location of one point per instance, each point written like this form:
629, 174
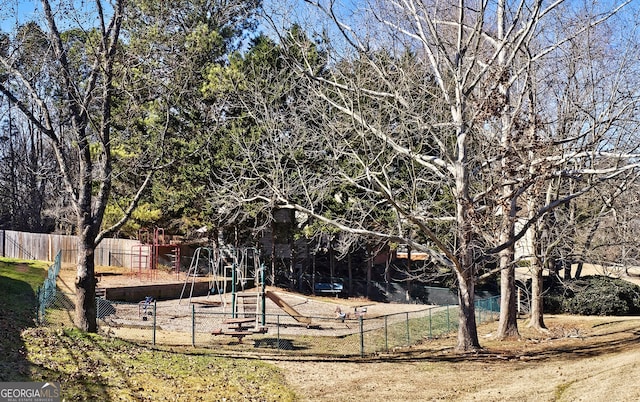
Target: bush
553, 304
554, 295
601, 295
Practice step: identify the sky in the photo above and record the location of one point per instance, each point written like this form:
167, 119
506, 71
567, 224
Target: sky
17, 11
13, 12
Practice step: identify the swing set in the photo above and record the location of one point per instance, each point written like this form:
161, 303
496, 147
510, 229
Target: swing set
219, 264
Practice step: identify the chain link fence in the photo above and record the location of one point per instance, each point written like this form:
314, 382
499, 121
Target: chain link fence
47, 293
210, 324
353, 334
159, 323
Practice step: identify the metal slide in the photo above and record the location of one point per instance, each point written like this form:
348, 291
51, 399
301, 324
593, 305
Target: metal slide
287, 308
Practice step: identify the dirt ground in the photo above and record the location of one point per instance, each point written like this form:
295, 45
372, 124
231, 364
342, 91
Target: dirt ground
578, 359
312, 306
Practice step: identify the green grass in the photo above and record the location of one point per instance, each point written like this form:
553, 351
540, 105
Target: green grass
416, 328
92, 367
19, 281
97, 368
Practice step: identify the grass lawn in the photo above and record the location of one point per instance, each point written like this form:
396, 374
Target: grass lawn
96, 368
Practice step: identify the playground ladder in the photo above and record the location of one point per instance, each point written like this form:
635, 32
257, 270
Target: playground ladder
250, 302
140, 261
175, 260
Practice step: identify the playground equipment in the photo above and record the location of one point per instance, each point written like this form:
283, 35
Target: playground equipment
221, 263
144, 308
202, 264
248, 308
288, 308
254, 303
145, 256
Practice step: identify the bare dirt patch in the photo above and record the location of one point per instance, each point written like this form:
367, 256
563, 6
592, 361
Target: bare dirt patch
581, 358
21, 267
175, 315
196, 320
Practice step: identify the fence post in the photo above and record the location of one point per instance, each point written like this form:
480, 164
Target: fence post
430, 324
361, 336
278, 330
448, 320
155, 306
263, 311
193, 325
407, 322
233, 290
386, 335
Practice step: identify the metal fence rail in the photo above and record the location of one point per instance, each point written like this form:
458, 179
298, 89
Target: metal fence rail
207, 326
200, 326
47, 292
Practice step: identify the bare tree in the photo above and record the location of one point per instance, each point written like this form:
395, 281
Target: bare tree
70, 100
424, 127
587, 144
27, 174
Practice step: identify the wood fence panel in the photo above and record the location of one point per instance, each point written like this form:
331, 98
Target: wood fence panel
26, 246
43, 246
67, 244
115, 252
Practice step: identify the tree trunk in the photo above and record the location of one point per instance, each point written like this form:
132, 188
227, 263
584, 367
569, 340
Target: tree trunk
273, 256
369, 271
332, 262
578, 273
409, 282
536, 314
536, 320
508, 324
303, 269
465, 268
293, 275
467, 331
86, 286
313, 273
350, 274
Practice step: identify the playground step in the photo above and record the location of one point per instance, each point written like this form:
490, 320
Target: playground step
247, 294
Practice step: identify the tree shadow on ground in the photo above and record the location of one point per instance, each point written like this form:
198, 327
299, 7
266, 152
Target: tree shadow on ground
552, 347
17, 310
569, 347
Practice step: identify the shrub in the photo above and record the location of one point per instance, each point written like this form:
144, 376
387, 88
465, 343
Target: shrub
553, 304
601, 295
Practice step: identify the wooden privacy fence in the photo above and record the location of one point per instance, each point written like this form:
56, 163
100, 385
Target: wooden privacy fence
44, 247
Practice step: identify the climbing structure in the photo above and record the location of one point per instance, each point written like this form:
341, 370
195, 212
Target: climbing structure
246, 268
145, 256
